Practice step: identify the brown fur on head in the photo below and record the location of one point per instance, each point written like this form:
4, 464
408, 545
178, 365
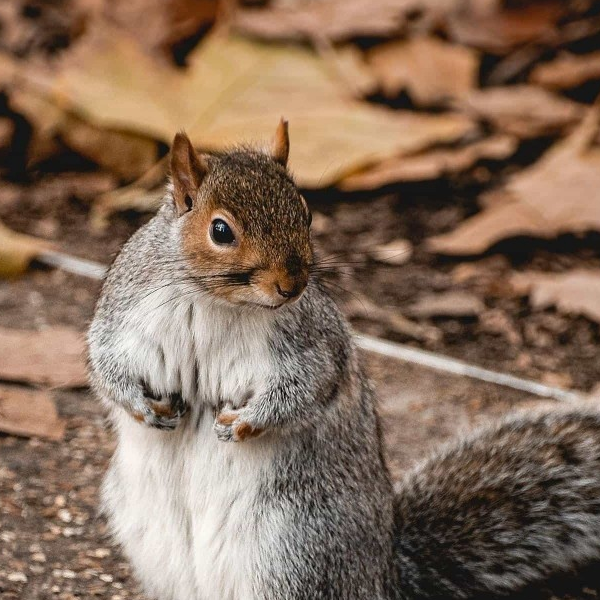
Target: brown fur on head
268, 262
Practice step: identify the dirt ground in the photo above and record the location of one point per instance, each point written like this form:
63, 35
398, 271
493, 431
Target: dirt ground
53, 542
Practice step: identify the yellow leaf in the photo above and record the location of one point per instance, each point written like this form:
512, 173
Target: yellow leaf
236, 90
17, 251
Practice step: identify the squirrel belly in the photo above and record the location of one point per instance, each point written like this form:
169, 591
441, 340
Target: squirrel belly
182, 503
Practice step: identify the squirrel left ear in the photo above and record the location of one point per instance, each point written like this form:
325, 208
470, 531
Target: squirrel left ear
188, 170
280, 148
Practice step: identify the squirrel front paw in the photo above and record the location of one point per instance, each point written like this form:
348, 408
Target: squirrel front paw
161, 412
231, 426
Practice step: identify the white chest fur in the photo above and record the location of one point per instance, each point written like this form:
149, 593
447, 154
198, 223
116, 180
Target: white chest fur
181, 502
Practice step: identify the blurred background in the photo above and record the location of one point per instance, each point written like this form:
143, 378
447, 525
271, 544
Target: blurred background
449, 151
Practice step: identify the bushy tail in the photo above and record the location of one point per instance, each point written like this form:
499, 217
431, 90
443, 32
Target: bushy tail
505, 507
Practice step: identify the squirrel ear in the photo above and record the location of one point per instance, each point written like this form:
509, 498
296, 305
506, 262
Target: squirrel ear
188, 169
280, 148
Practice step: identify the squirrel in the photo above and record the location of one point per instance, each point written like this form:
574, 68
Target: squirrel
249, 458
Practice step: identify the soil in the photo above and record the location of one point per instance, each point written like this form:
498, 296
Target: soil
54, 543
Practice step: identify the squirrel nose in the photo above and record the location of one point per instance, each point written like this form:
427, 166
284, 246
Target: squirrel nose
291, 293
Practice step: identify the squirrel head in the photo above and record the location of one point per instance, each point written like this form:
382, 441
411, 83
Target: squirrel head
245, 225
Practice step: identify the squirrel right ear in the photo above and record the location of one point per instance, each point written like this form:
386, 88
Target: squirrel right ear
188, 170
280, 148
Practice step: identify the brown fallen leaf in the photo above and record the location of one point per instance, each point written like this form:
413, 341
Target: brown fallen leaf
17, 250
29, 413
54, 357
497, 27
431, 70
235, 89
523, 110
575, 292
336, 20
127, 154
558, 194
143, 194
396, 252
158, 24
431, 164
127, 198
567, 71
362, 307
7, 130
447, 304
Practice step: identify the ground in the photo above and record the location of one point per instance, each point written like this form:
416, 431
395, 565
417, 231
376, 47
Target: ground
53, 542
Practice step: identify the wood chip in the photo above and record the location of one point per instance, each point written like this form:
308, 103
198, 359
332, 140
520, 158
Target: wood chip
447, 304
362, 307
54, 357
29, 413
396, 252
576, 292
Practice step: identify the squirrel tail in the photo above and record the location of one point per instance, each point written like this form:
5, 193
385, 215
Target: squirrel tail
505, 507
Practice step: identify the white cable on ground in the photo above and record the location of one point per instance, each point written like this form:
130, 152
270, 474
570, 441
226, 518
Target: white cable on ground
439, 362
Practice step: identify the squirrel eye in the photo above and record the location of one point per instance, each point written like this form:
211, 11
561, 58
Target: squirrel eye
221, 233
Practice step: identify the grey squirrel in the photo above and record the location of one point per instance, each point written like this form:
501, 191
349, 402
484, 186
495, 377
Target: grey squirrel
249, 459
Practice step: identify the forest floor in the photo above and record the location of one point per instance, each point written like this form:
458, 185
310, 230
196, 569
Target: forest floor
54, 543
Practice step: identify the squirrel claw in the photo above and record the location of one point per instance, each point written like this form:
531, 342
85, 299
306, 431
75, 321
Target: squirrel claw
164, 413
230, 427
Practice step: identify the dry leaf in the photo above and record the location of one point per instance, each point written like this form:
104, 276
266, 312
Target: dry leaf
431, 164
53, 357
158, 24
567, 71
235, 90
127, 154
8, 69
396, 252
447, 304
336, 20
431, 70
558, 194
524, 110
362, 307
575, 292
127, 198
29, 413
143, 194
17, 251
498, 29
7, 130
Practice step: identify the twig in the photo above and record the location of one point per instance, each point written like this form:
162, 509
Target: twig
73, 264
458, 367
